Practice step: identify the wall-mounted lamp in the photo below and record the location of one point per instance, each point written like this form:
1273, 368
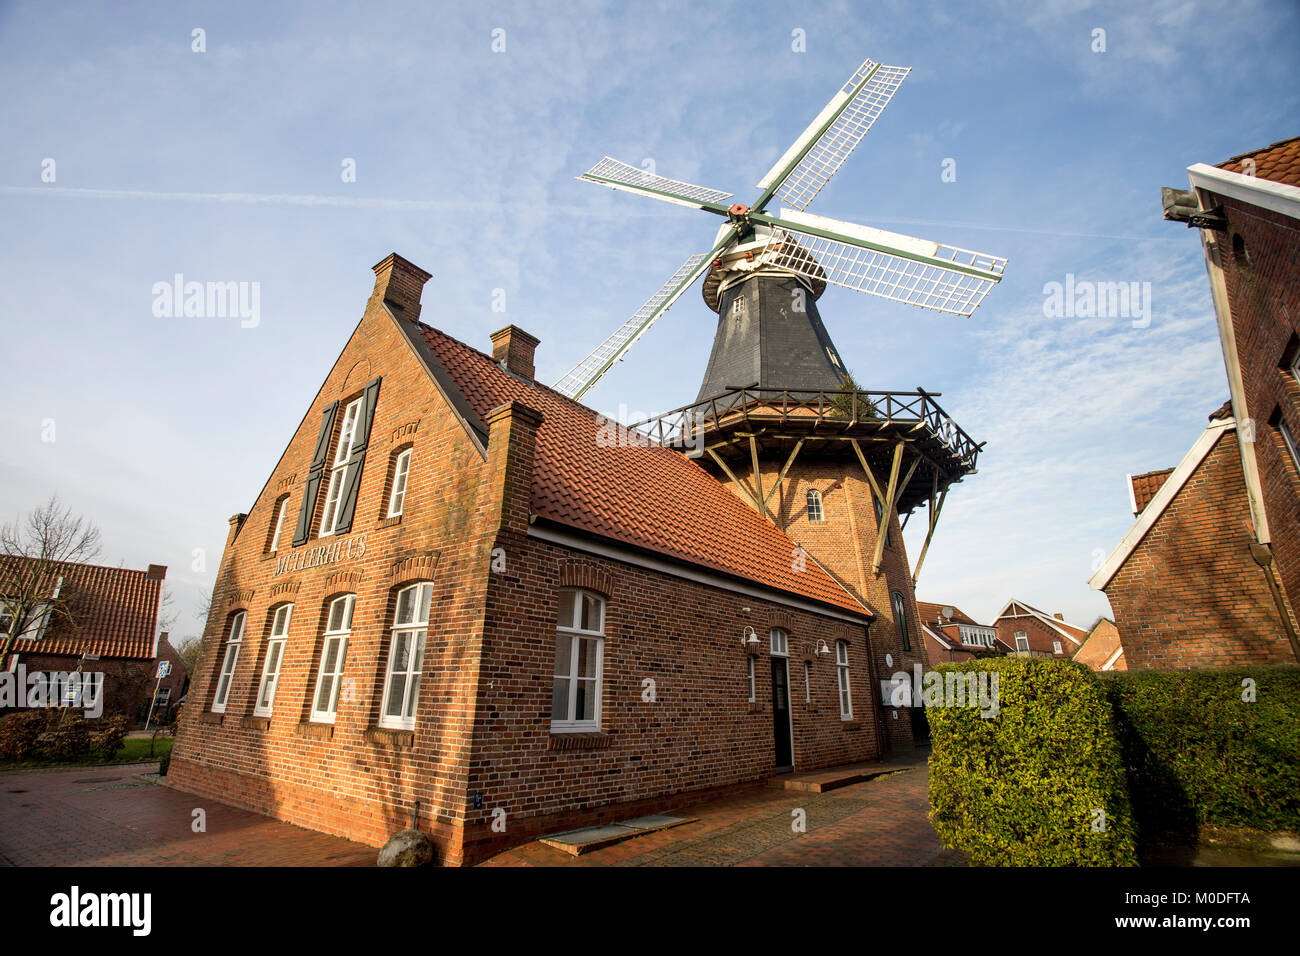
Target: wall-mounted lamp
822, 648
749, 638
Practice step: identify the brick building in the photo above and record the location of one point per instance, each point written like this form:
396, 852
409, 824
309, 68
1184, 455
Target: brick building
1101, 649
109, 629
1029, 632
953, 635
466, 600
1217, 539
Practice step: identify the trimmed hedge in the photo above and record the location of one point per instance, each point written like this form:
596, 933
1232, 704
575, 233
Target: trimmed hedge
1196, 753
58, 734
1024, 788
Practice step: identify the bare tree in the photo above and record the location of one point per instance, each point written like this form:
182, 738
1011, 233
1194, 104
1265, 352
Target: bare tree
33, 552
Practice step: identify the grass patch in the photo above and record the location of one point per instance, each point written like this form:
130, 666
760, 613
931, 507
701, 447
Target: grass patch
133, 750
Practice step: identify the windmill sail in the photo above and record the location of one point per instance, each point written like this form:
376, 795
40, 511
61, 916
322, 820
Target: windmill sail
893, 266
583, 376
619, 175
808, 165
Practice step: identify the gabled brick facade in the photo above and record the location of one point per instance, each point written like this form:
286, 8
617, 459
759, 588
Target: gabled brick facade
499, 520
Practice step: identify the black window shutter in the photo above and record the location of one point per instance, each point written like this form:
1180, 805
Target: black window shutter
303, 531
361, 441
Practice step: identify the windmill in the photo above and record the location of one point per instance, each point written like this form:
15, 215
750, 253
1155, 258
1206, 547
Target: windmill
816, 249
778, 419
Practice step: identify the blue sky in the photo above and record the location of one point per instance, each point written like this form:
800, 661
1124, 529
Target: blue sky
465, 163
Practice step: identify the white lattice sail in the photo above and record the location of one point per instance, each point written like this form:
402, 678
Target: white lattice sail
619, 175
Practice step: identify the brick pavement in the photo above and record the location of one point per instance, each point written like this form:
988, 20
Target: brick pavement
109, 816
880, 822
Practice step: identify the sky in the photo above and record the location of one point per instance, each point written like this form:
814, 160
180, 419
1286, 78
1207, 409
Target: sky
128, 156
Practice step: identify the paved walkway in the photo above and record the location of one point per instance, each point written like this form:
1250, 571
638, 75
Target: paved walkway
109, 816
880, 822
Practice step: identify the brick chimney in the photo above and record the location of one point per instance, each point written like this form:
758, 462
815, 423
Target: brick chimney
516, 347
399, 283
156, 572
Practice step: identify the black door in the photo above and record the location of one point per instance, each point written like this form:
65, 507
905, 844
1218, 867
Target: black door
781, 714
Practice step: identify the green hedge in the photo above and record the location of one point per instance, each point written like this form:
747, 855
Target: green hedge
1197, 753
1023, 788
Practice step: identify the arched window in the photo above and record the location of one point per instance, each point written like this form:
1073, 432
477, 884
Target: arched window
880, 518
780, 642
579, 659
815, 505
277, 523
234, 641
900, 618
406, 657
401, 469
842, 676
274, 658
333, 656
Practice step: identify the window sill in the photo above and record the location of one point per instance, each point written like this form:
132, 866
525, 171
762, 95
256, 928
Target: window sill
850, 723
255, 723
209, 717
315, 731
570, 740
390, 737
390, 521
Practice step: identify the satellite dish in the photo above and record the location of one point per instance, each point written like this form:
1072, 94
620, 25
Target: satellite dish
948, 611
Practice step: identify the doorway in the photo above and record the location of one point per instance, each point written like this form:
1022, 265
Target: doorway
782, 730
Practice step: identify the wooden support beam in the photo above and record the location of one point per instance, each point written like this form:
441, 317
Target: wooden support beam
934, 520
784, 468
744, 488
871, 478
758, 477
886, 507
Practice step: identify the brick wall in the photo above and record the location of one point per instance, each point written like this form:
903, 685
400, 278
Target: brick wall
844, 544
1190, 594
1262, 276
1042, 637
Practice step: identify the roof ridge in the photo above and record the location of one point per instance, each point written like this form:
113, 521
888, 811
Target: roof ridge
1252, 152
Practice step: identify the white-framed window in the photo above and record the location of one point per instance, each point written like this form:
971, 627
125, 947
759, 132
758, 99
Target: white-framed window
749, 678
779, 642
406, 657
815, 505
234, 641
274, 659
807, 682
333, 657
6, 618
1056, 647
38, 618
397, 499
339, 471
280, 511
842, 675
164, 698
900, 618
1022, 641
1289, 440
579, 660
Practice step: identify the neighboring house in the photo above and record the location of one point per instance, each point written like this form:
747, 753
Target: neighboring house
1029, 632
1184, 582
1101, 649
952, 635
454, 602
1210, 573
111, 631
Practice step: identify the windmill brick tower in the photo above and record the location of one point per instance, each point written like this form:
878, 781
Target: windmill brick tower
778, 419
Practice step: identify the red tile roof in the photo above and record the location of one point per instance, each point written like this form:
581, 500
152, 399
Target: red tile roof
1279, 163
649, 497
116, 613
1145, 487
930, 613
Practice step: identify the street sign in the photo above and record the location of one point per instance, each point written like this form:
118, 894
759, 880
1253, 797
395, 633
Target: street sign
164, 668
